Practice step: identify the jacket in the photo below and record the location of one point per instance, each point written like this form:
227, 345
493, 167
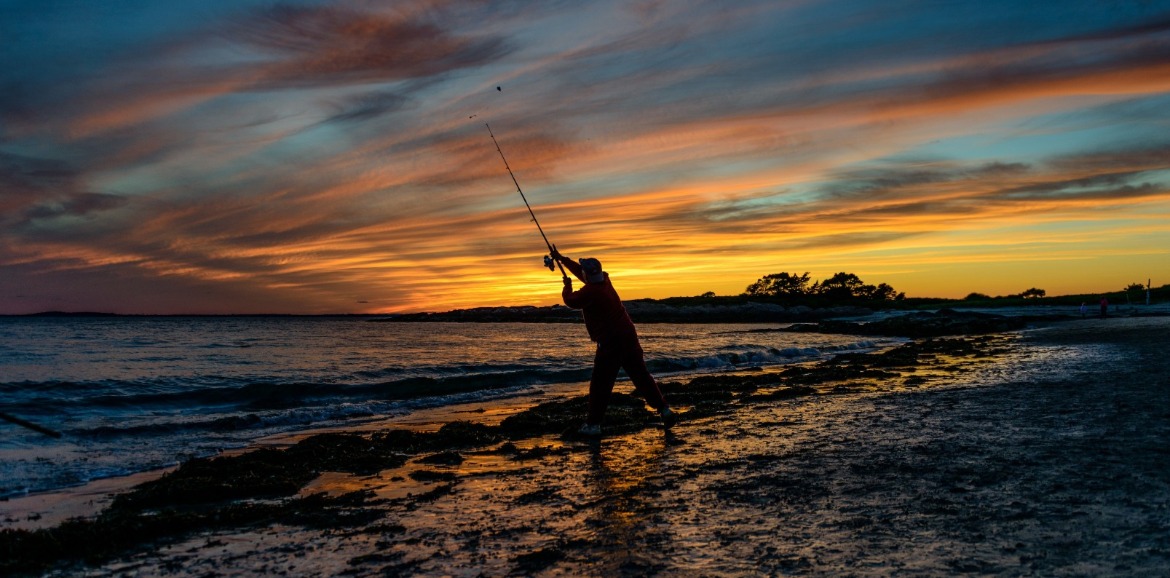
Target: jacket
606, 318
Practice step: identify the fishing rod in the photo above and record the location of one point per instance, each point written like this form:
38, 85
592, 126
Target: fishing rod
548, 260
30, 425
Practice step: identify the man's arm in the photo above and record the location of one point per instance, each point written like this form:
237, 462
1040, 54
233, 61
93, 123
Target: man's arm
573, 266
576, 299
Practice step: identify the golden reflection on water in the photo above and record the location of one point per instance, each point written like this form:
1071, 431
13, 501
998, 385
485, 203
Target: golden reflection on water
624, 479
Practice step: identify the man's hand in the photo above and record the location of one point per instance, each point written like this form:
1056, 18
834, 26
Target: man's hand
555, 254
568, 283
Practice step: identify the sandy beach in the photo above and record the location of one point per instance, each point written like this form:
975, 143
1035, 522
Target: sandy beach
1040, 452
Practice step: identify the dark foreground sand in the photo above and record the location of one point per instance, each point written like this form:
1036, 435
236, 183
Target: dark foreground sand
1042, 453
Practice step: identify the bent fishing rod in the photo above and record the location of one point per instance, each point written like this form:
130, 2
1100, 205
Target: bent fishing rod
548, 260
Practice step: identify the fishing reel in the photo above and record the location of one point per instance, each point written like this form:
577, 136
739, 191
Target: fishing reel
550, 263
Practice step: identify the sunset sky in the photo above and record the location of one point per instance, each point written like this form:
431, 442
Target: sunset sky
236, 156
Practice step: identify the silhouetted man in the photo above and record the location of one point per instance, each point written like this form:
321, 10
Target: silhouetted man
609, 325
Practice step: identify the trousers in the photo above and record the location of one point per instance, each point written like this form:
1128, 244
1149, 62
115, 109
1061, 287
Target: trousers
614, 355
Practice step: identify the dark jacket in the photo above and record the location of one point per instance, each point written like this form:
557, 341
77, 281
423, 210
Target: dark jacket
605, 316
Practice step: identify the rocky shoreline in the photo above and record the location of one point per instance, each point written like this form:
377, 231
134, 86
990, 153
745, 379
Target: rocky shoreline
1023, 453
265, 487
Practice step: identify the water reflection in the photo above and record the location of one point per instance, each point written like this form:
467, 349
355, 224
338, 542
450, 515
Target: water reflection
629, 478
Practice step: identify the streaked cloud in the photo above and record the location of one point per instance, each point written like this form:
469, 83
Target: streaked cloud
307, 157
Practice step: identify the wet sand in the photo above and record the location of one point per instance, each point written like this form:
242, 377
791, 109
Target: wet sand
1036, 453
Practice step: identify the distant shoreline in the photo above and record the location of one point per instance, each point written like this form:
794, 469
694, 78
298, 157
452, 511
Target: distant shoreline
685, 310
707, 309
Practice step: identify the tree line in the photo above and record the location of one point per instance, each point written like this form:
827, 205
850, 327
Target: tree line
848, 286
1035, 293
1032, 293
842, 286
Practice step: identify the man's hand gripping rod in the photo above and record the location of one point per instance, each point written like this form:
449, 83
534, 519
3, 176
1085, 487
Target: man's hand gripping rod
552, 250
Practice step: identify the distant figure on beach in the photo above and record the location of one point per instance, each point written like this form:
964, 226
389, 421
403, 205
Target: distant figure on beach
1104, 307
609, 325
1084, 308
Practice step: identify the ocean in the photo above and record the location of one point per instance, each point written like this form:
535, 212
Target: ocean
132, 394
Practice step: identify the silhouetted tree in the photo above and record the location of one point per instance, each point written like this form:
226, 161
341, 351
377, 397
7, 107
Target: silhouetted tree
977, 297
840, 286
779, 285
1033, 293
884, 292
1135, 287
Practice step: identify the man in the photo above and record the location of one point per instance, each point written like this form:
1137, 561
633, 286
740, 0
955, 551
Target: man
609, 325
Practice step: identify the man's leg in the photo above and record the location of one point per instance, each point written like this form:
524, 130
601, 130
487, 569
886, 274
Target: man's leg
606, 363
634, 362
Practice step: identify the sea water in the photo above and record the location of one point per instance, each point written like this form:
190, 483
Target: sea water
132, 394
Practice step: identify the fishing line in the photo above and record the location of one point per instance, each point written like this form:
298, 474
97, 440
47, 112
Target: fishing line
30, 425
548, 260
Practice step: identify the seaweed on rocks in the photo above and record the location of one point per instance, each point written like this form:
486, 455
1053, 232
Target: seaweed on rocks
782, 394
344, 452
821, 374
264, 473
322, 512
433, 494
120, 529
402, 441
443, 459
533, 562
553, 417
625, 413
464, 434
718, 388
452, 436
432, 476
514, 453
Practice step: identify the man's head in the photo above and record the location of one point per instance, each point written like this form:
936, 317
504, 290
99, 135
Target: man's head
592, 270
